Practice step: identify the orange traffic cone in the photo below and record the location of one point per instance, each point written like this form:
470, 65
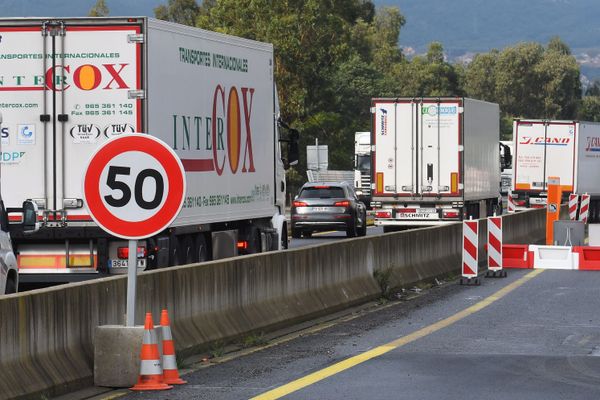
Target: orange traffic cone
151, 374
170, 372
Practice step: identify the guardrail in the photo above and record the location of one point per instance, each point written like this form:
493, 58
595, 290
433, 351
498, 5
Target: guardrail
46, 336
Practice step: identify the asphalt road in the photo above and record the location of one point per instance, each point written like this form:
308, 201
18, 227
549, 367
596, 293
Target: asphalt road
533, 335
324, 237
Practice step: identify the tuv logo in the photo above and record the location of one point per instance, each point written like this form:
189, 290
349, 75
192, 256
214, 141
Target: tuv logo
85, 133
118, 129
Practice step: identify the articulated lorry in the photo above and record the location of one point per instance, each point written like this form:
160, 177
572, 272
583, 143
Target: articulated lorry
362, 166
68, 85
569, 150
435, 160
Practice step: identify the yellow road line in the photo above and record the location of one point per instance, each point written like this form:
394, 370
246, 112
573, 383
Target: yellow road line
378, 351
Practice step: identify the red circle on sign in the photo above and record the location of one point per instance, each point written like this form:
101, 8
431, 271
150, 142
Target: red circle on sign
163, 216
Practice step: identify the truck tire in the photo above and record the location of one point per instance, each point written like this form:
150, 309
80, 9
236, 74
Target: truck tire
201, 253
174, 251
284, 237
11, 286
187, 250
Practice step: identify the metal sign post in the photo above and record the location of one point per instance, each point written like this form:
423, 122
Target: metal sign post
134, 188
131, 282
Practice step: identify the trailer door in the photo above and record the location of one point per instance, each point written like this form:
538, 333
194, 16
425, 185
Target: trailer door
560, 153
75, 87
438, 149
25, 104
394, 140
102, 99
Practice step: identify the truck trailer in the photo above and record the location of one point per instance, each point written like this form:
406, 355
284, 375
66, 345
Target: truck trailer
68, 85
435, 160
569, 150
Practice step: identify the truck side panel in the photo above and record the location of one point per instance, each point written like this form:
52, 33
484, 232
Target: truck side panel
211, 97
588, 159
481, 158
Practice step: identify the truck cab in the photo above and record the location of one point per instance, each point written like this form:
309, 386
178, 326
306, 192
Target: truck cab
362, 166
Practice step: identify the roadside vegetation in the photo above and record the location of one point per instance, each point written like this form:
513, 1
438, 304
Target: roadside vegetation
333, 56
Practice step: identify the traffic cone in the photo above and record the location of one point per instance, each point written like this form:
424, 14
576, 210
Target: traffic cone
170, 372
151, 374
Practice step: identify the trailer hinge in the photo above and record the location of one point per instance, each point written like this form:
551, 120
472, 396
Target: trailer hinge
461, 186
461, 148
136, 94
53, 28
373, 110
461, 110
135, 38
372, 147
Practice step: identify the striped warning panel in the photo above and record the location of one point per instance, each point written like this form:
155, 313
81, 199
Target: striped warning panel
510, 205
585, 208
470, 249
573, 203
494, 243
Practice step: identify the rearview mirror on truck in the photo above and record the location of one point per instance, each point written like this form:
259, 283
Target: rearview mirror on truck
293, 151
30, 220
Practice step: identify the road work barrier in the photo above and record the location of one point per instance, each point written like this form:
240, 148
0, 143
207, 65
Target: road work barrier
47, 335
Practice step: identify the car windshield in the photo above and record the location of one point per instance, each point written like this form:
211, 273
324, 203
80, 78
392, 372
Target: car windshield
322, 192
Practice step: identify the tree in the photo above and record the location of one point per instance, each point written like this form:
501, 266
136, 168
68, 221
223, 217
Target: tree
480, 77
181, 11
589, 109
100, 9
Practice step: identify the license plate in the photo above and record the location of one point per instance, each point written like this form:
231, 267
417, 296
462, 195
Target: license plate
419, 214
326, 209
124, 263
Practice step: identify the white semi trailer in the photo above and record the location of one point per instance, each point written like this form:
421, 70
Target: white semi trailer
435, 160
68, 85
569, 150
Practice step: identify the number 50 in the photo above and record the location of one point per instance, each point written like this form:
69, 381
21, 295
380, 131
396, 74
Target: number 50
114, 184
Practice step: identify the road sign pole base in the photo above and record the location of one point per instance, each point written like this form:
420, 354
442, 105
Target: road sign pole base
496, 274
469, 281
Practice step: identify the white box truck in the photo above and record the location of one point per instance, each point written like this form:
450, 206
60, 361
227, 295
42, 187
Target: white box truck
569, 150
435, 160
68, 85
362, 166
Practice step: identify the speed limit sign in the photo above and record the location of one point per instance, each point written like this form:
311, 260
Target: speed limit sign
134, 186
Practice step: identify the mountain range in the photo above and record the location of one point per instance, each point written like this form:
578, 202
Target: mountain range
464, 27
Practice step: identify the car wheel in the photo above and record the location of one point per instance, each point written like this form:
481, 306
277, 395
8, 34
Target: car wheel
362, 231
351, 230
296, 233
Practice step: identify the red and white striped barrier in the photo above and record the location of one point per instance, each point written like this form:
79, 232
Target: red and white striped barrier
494, 243
573, 203
470, 254
585, 208
510, 205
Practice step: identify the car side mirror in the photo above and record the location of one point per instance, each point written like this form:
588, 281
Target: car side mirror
30, 213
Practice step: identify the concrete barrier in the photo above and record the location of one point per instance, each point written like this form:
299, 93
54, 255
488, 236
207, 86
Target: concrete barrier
46, 336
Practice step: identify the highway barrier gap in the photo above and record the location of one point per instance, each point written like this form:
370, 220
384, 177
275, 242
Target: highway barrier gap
46, 336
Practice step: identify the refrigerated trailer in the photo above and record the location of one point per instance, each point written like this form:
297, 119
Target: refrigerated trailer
68, 85
435, 160
569, 150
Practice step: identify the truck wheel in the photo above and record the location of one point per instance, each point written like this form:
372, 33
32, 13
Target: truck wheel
284, 237
307, 234
201, 249
187, 250
174, 251
11, 286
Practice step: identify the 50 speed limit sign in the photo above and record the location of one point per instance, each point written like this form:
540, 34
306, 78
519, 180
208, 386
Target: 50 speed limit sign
134, 186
